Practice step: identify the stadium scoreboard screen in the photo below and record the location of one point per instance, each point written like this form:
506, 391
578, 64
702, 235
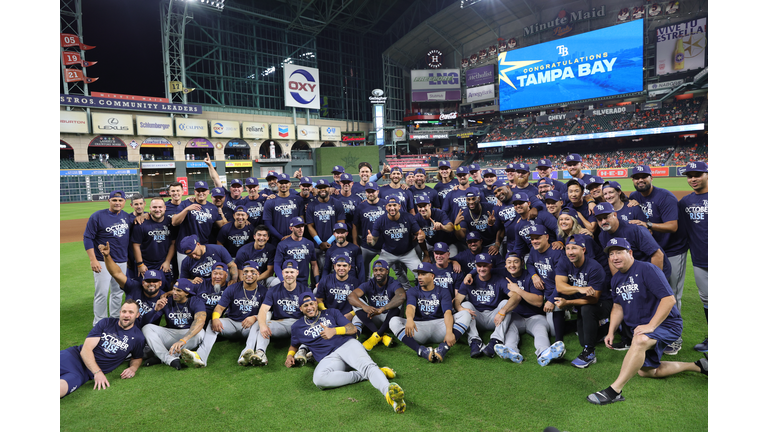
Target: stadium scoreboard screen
599, 63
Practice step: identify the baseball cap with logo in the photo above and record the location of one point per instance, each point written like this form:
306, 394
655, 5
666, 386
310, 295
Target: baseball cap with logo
575, 181
340, 259
462, 170
489, 172
573, 158
577, 239
219, 266
251, 263
283, 177
696, 167
425, 268
235, 182
443, 163
522, 167
441, 247
553, 195
612, 184
338, 169
419, 171
641, 169
380, 263
188, 243
603, 208
510, 167
306, 297
290, 264
218, 192
594, 182
546, 163
498, 183
617, 242
473, 168
201, 185
117, 194
520, 197
298, 220
251, 181
472, 192
271, 174
305, 181
422, 199
153, 275
371, 186
322, 183
341, 226
483, 258
240, 209
346, 177
546, 180
537, 230
473, 236
185, 285
393, 169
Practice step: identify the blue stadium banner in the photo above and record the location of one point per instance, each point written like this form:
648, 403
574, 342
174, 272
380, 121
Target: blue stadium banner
599, 63
108, 103
97, 172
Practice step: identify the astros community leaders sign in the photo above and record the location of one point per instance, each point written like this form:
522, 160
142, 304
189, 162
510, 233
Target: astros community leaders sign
97, 102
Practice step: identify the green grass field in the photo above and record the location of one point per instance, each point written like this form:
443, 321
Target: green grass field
459, 394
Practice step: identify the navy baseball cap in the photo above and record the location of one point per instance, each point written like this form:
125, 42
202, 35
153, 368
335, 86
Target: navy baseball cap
298, 220
573, 158
346, 177
338, 169
271, 174
594, 182
201, 185
546, 180
696, 167
218, 192
425, 268
489, 172
117, 194
422, 199
568, 212
510, 167
340, 258
612, 184
290, 264
371, 186
576, 181
410, 173
381, 264
577, 239
393, 169
283, 177
393, 200
483, 258
522, 167
546, 163
513, 254
537, 230
498, 183
641, 170
441, 247
462, 170
251, 181
474, 167
520, 197
153, 275
603, 208
219, 265
443, 163
322, 183
617, 242
419, 171
473, 236
305, 181
340, 226
553, 195
251, 263
303, 297
188, 243
235, 182
472, 192
185, 285
240, 209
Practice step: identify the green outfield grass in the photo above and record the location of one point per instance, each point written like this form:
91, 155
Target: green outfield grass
459, 394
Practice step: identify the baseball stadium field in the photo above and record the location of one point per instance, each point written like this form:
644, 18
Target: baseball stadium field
459, 394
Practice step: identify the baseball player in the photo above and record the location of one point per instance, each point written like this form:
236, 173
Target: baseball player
398, 230
376, 301
448, 274
477, 176
254, 202
209, 290
334, 289
661, 208
347, 199
524, 222
467, 258
300, 250
398, 190
554, 201
365, 170
184, 319
455, 200
694, 219
594, 187
152, 242
429, 318
108, 344
330, 337
489, 178
322, 214
145, 293
112, 225
545, 168
541, 264
261, 252
366, 215
582, 204
279, 211
612, 194
579, 281
643, 299
445, 181
337, 171
200, 259
511, 176
235, 235
196, 217
175, 191
420, 188
278, 311
485, 302
241, 302
343, 248
522, 183
573, 164
434, 222
477, 217
233, 197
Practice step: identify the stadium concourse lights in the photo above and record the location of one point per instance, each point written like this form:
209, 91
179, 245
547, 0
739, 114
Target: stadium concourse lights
217, 5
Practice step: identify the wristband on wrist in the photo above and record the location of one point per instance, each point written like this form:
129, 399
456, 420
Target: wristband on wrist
457, 227
341, 330
216, 315
140, 263
291, 353
317, 240
502, 314
182, 340
332, 239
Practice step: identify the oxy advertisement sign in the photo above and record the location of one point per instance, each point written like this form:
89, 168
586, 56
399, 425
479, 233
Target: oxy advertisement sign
186, 127
225, 129
73, 121
308, 133
482, 75
282, 132
113, 124
329, 133
481, 93
255, 130
599, 63
301, 86
153, 125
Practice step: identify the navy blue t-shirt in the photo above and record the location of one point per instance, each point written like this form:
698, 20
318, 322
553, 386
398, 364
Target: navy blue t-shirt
324, 215
263, 257
154, 240
307, 332
397, 234
241, 303
366, 215
303, 251
694, 220
233, 238
429, 305
115, 344
485, 295
377, 296
283, 303
639, 292
589, 274
198, 222
134, 290
104, 226
335, 292
191, 269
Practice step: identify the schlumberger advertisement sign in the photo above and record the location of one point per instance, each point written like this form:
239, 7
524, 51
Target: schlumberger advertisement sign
302, 86
435, 85
603, 62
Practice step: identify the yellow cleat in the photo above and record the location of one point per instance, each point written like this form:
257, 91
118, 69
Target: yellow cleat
388, 341
372, 341
388, 372
395, 397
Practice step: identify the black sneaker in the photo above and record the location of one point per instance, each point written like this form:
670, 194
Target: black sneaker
176, 364
620, 346
703, 364
490, 349
586, 358
602, 398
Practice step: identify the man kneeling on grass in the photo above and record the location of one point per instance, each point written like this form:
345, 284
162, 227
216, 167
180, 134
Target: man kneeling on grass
644, 300
341, 358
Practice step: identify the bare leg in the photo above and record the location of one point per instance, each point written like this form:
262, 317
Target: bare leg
633, 361
668, 368
63, 388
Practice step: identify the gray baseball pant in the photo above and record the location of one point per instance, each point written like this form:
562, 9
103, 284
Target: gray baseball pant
348, 364
161, 339
432, 331
484, 319
535, 326
108, 297
231, 330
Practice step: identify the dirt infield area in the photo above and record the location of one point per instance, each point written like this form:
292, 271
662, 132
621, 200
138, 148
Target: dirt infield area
72, 230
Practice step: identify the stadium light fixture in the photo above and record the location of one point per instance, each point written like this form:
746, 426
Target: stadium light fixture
468, 3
